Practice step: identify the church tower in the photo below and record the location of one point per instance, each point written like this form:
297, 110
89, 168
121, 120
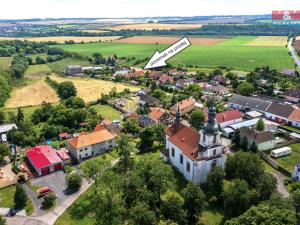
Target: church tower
210, 135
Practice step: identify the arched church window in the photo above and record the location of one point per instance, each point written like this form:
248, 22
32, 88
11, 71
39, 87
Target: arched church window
204, 138
215, 138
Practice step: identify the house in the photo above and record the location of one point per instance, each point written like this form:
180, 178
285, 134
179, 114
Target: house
215, 89
263, 140
156, 116
122, 73
279, 112
63, 155
155, 75
292, 95
294, 118
182, 83
253, 114
220, 80
4, 129
229, 131
296, 174
229, 117
74, 70
151, 101
185, 106
165, 79
246, 103
63, 136
194, 153
44, 159
131, 115
91, 144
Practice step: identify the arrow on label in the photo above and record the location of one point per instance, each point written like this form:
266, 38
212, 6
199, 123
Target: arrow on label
159, 59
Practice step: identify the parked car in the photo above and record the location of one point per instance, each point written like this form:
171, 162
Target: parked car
43, 191
12, 212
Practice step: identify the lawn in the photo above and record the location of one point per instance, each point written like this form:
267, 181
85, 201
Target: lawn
293, 129
288, 162
108, 112
7, 197
26, 110
233, 53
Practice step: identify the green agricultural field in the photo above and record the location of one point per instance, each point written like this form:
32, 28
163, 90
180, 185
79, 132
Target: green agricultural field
60, 66
232, 53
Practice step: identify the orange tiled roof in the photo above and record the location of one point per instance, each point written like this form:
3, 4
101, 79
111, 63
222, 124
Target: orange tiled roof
184, 104
295, 115
91, 138
184, 138
156, 113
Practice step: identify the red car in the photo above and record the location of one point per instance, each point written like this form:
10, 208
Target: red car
43, 191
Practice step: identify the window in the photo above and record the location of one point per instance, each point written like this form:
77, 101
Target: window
215, 152
215, 139
86, 149
173, 152
110, 141
81, 150
188, 166
181, 159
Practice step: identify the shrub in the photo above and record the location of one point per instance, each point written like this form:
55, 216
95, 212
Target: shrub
48, 201
68, 169
74, 181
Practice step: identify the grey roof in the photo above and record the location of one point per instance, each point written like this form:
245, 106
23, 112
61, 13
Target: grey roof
7, 127
250, 102
282, 110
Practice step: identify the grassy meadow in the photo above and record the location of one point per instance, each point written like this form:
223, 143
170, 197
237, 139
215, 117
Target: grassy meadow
234, 52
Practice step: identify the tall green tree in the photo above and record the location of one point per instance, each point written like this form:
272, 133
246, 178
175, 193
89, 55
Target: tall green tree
142, 214
266, 186
66, 90
260, 126
194, 200
20, 197
245, 88
237, 137
20, 115
197, 119
124, 147
215, 181
172, 207
237, 198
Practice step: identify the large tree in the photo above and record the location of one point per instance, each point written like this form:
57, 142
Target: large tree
266, 215
244, 165
194, 200
124, 147
197, 119
142, 214
215, 182
20, 197
131, 126
245, 88
66, 90
74, 181
237, 198
172, 207
266, 185
260, 126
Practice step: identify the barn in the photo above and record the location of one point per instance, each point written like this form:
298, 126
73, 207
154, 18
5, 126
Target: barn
44, 159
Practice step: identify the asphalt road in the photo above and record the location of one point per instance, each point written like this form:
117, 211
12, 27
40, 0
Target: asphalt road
293, 53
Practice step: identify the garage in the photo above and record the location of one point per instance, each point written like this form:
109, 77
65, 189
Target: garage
57, 166
45, 170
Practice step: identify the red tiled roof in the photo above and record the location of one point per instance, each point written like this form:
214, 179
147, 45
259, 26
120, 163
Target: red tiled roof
98, 128
63, 135
184, 104
184, 138
228, 116
156, 113
42, 156
165, 78
62, 153
295, 115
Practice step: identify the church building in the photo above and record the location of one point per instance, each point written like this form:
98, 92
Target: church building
194, 153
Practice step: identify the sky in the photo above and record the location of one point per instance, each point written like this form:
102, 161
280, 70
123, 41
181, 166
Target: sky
25, 9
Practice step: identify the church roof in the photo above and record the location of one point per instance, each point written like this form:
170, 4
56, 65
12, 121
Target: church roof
185, 138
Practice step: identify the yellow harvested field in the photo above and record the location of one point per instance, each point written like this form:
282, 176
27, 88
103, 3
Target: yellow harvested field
152, 26
32, 95
62, 39
168, 40
269, 41
91, 89
95, 31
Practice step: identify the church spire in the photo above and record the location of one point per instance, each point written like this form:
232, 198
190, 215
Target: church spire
178, 116
211, 126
